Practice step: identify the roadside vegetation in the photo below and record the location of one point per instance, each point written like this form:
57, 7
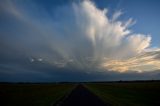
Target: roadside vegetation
128, 94
32, 94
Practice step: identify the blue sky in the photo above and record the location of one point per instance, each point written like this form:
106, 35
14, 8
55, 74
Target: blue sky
145, 13
79, 40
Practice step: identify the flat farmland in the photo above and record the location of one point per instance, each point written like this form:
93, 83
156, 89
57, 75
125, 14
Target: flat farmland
128, 94
32, 94
94, 94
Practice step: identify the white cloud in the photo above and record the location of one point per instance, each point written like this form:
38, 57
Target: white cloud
83, 36
116, 15
146, 61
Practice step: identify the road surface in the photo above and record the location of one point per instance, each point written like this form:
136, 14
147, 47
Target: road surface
81, 96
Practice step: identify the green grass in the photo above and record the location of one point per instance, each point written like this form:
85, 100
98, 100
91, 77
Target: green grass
128, 94
32, 94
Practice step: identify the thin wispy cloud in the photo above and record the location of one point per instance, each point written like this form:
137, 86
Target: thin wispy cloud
146, 61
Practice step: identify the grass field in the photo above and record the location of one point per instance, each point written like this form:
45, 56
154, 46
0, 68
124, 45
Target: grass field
116, 94
128, 94
32, 94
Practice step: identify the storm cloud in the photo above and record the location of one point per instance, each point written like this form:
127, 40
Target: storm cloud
75, 41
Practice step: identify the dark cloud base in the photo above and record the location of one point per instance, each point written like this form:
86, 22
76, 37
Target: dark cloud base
63, 75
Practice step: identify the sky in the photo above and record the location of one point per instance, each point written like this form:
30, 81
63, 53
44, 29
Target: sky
79, 40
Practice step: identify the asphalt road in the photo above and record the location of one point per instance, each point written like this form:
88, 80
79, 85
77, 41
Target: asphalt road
81, 96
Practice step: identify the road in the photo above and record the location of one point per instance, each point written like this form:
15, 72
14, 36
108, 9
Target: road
81, 96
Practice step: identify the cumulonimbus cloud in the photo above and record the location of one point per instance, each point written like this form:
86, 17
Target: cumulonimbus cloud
81, 36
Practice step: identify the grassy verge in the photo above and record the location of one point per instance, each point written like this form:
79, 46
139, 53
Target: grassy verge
128, 94
32, 94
